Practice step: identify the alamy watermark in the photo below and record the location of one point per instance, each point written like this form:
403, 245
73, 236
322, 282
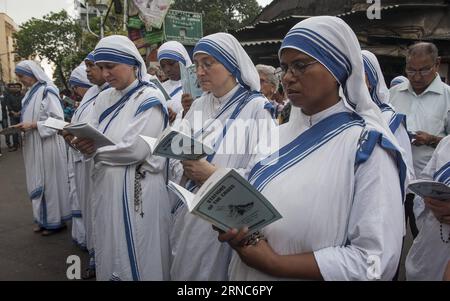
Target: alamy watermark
74, 269
229, 137
374, 10
374, 268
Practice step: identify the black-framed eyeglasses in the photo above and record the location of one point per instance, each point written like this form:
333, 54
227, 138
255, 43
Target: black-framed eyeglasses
297, 68
426, 72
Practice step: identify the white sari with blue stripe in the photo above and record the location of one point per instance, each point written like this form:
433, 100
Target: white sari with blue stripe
197, 254
380, 96
429, 255
328, 200
82, 171
131, 241
78, 78
45, 157
175, 90
341, 201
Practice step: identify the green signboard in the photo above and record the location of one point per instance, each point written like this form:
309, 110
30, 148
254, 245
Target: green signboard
184, 27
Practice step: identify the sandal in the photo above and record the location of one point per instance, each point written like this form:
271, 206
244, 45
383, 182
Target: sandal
38, 229
48, 232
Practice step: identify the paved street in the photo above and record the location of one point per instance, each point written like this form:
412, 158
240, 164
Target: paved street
25, 255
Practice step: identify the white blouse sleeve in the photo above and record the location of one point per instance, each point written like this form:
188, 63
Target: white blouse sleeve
375, 227
132, 149
50, 107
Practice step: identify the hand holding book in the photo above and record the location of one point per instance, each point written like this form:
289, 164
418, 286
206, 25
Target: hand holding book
198, 170
177, 145
15, 129
228, 201
84, 145
86, 134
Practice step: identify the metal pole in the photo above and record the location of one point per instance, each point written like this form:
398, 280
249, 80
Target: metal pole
125, 13
102, 33
87, 20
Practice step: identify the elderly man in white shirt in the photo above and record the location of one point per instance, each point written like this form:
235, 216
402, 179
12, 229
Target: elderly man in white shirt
425, 100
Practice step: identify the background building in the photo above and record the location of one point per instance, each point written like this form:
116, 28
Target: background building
7, 28
402, 23
96, 8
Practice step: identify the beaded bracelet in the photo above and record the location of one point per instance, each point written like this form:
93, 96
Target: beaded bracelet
254, 238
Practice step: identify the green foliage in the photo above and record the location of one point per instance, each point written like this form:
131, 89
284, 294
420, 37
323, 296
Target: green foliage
61, 40
221, 15
55, 37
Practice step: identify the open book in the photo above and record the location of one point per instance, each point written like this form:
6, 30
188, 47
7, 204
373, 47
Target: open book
80, 130
190, 82
10, 131
228, 201
177, 145
430, 189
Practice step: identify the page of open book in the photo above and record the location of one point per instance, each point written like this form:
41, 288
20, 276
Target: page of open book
185, 195
54, 123
431, 189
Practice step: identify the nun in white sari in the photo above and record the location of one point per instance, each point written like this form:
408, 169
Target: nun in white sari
224, 69
83, 168
335, 179
80, 84
380, 95
430, 251
172, 56
131, 212
44, 151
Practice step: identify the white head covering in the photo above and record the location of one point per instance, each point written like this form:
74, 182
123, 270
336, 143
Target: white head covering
90, 57
398, 80
334, 44
229, 52
174, 50
33, 69
120, 49
78, 77
379, 91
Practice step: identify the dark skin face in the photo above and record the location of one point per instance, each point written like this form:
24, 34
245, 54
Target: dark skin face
14, 89
425, 63
314, 90
171, 68
94, 73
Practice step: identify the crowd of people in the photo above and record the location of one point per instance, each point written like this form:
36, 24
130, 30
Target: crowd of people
347, 148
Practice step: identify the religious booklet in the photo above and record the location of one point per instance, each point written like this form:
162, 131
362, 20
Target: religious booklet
160, 87
80, 130
10, 131
430, 189
228, 201
177, 145
190, 82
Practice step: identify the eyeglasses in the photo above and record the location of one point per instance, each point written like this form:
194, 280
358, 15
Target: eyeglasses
411, 73
297, 68
206, 65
